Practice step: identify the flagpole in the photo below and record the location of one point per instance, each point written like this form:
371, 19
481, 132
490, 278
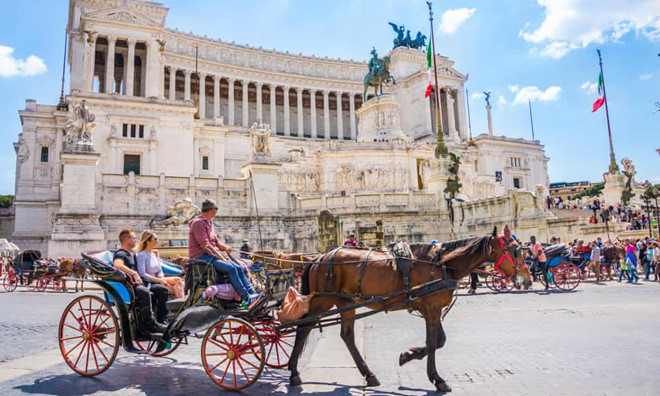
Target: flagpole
531, 120
614, 168
440, 148
467, 95
62, 104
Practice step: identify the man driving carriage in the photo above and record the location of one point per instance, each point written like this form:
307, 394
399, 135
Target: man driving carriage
125, 260
204, 245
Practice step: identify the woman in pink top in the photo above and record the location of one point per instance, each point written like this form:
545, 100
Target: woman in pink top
538, 255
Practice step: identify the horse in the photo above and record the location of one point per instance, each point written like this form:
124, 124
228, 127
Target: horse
419, 42
380, 76
72, 267
380, 277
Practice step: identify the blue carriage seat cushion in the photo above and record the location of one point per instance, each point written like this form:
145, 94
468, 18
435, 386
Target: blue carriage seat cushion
106, 257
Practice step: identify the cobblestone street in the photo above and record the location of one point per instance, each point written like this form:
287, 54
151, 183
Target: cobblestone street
596, 340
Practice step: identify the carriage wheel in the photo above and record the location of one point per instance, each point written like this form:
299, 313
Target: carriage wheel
233, 354
10, 282
33, 285
57, 285
501, 283
605, 271
566, 276
278, 346
152, 345
585, 273
489, 281
88, 335
42, 283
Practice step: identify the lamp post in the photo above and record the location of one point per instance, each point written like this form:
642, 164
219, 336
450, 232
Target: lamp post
656, 194
647, 201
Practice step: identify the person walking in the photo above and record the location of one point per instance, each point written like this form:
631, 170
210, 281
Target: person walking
650, 249
632, 268
538, 256
594, 260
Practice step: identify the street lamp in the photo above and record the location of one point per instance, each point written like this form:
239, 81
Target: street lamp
647, 201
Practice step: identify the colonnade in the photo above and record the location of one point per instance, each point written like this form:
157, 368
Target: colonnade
291, 111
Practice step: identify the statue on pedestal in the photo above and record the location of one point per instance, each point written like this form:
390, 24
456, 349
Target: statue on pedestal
259, 134
379, 73
80, 125
180, 213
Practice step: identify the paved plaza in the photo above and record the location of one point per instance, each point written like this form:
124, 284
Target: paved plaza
597, 340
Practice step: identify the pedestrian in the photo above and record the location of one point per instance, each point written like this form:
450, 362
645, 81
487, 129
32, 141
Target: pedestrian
595, 260
350, 241
632, 268
650, 264
656, 260
622, 268
539, 259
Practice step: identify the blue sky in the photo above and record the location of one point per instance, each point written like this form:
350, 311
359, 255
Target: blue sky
519, 49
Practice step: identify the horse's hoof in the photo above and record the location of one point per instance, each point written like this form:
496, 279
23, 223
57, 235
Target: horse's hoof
403, 358
372, 380
295, 380
442, 387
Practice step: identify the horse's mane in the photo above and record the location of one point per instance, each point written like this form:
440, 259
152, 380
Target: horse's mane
421, 249
468, 246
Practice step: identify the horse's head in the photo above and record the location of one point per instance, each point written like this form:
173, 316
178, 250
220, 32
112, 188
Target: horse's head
508, 256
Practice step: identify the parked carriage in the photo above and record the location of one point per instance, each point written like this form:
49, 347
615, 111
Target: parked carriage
30, 269
236, 342
562, 272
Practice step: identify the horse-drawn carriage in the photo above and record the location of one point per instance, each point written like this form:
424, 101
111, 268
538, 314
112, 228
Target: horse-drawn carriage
30, 269
238, 342
562, 272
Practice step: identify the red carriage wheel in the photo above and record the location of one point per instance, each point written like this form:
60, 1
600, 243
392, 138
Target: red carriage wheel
10, 281
42, 283
277, 346
605, 271
585, 273
34, 285
566, 276
152, 345
88, 335
233, 354
57, 285
489, 280
501, 283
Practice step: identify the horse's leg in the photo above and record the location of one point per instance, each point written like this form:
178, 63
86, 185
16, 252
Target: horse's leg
432, 327
418, 353
317, 305
348, 335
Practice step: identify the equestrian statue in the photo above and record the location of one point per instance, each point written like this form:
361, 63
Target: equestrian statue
379, 73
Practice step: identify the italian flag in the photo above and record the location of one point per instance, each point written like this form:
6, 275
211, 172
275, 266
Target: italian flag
601, 99
429, 60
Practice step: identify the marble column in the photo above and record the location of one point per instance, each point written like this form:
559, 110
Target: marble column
186, 85
230, 104
130, 67
287, 112
300, 110
462, 117
90, 57
172, 83
110, 65
451, 122
246, 103
351, 103
260, 105
340, 120
216, 96
312, 109
273, 108
326, 115
201, 105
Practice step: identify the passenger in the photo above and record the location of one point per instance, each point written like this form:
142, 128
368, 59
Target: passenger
350, 241
125, 261
539, 259
150, 268
204, 245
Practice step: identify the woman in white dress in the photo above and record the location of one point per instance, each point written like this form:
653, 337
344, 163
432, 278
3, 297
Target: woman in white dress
149, 266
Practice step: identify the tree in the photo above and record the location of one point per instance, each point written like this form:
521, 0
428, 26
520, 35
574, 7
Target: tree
6, 201
591, 191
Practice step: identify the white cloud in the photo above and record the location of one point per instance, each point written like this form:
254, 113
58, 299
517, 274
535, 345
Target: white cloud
573, 24
514, 88
452, 19
501, 101
476, 96
589, 87
10, 66
535, 95
645, 76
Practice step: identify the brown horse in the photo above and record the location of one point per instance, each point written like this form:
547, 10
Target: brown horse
380, 278
72, 267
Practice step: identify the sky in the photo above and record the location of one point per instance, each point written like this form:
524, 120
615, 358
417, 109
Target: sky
520, 50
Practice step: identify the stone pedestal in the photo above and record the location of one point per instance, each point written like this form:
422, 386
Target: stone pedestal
266, 185
77, 226
436, 182
615, 183
380, 120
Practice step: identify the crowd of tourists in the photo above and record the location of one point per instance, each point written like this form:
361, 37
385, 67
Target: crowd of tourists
637, 220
